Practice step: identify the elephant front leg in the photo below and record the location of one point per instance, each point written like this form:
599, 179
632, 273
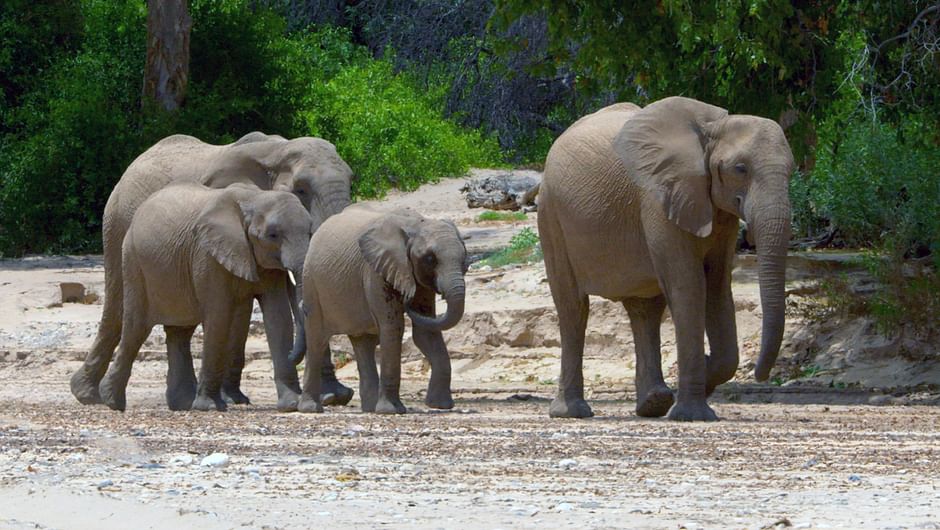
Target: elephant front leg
681, 274
279, 328
216, 327
431, 344
390, 336
364, 348
180, 376
722, 363
653, 397
231, 384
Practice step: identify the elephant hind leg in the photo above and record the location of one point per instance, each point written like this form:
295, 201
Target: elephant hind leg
318, 346
180, 376
84, 382
572, 306
653, 397
134, 331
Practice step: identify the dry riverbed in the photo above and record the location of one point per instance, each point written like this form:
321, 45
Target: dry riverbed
808, 454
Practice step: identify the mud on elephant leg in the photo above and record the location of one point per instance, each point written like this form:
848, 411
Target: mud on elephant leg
180, 376
653, 397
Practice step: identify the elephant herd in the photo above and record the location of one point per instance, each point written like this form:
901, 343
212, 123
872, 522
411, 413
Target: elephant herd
637, 205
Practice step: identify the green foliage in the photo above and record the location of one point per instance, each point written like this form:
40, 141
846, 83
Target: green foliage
871, 184
490, 215
72, 119
524, 247
73, 135
390, 133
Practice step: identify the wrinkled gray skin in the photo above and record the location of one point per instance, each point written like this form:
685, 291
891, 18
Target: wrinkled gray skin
196, 255
309, 168
363, 271
642, 206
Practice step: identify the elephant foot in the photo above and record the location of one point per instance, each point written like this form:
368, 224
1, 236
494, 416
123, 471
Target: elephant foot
111, 396
692, 411
235, 396
309, 405
334, 393
288, 401
656, 403
390, 406
439, 400
181, 399
575, 408
84, 389
207, 403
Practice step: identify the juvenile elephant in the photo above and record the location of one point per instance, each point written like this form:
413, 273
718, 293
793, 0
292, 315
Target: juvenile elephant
642, 206
363, 271
309, 168
195, 255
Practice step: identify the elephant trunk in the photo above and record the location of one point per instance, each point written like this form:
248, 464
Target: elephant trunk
296, 295
772, 224
454, 294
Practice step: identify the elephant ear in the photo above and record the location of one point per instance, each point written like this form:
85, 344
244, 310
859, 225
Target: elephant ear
220, 230
663, 148
384, 247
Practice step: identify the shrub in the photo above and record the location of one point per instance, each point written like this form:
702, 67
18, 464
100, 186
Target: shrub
524, 247
870, 184
73, 123
390, 133
73, 136
501, 216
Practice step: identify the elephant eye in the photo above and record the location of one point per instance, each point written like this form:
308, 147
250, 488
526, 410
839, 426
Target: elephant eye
429, 259
272, 236
741, 168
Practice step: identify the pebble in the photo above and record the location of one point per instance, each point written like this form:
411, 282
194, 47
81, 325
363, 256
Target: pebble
104, 483
564, 507
855, 478
215, 460
181, 460
567, 463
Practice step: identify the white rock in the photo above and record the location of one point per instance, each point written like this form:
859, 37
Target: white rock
215, 460
567, 463
181, 460
564, 507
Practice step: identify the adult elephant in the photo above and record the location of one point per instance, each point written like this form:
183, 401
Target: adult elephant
308, 167
642, 206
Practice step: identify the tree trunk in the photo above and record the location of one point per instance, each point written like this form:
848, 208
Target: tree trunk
167, 72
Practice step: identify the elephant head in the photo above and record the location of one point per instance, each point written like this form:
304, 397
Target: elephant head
245, 228
695, 158
413, 252
311, 169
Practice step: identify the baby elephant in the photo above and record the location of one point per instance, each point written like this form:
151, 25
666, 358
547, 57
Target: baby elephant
363, 271
197, 255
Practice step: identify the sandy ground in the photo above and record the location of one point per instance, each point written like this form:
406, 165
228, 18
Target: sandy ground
798, 454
